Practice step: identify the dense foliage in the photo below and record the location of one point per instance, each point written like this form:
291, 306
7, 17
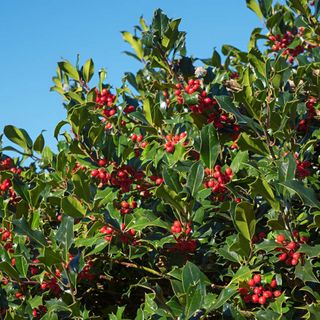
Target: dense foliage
190, 192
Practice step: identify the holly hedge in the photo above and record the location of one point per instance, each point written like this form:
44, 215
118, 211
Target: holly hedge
190, 192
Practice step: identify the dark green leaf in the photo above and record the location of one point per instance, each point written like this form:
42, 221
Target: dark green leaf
261, 187
22, 227
191, 275
69, 69
195, 178
18, 136
245, 219
72, 207
254, 6
88, 70
171, 179
306, 194
223, 297
39, 143
9, 270
245, 142
65, 234
152, 112
210, 146
305, 272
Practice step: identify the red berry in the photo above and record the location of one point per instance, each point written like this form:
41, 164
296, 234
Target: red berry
251, 283
262, 300
159, 181
43, 286
257, 278
143, 144
177, 223
211, 183
257, 290
304, 239
277, 293
170, 149
243, 291
261, 235
94, 173
291, 245
102, 162
255, 298
125, 204
296, 255
273, 283
294, 262
282, 257
295, 233
139, 138
280, 238
19, 295
267, 294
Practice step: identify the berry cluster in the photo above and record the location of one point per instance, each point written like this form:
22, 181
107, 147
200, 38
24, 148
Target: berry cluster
51, 283
289, 249
34, 269
177, 227
166, 95
78, 167
125, 236
206, 105
181, 232
39, 312
6, 237
184, 245
217, 180
283, 41
127, 207
85, 273
107, 231
192, 87
302, 170
104, 98
311, 113
5, 185
121, 177
129, 109
7, 164
137, 138
257, 293
259, 237
156, 179
171, 141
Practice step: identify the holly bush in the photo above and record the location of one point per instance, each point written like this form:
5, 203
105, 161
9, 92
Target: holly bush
190, 192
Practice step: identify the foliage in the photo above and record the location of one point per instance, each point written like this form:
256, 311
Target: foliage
190, 192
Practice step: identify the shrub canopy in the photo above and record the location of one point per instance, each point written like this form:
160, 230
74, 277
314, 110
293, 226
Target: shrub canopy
190, 192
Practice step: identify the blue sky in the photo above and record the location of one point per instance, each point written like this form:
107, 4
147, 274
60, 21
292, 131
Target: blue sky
36, 34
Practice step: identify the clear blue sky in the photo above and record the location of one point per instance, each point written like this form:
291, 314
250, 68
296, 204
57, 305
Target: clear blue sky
36, 34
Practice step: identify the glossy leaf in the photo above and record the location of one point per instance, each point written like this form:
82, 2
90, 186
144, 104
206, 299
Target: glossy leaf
195, 178
210, 146
245, 219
